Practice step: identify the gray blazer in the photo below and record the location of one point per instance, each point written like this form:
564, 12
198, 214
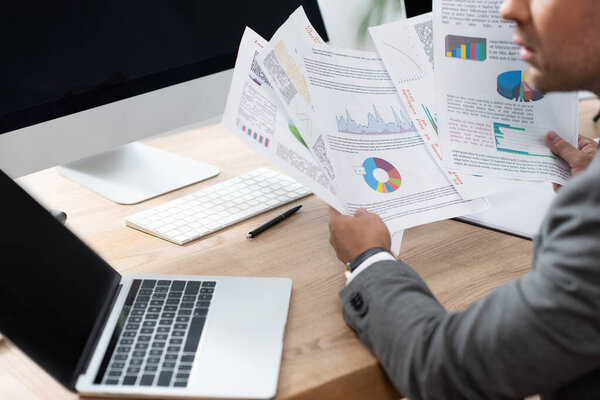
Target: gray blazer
537, 334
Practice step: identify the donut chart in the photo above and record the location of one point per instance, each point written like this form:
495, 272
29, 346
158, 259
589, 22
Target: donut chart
394, 179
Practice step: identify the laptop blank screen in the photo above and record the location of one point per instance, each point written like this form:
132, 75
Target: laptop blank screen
53, 288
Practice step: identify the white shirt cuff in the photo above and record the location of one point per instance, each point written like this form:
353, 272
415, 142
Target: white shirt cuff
381, 256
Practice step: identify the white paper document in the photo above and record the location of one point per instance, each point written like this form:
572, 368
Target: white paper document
491, 120
406, 48
377, 157
257, 117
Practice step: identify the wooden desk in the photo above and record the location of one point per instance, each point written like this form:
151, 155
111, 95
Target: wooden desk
322, 357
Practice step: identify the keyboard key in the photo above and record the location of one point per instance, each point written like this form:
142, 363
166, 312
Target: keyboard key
207, 290
146, 380
165, 322
180, 326
147, 330
145, 292
209, 284
129, 334
144, 338
168, 365
114, 373
178, 333
173, 348
111, 381
143, 299
189, 298
129, 380
135, 319
150, 368
174, 295
138, 353
182, 376
170, 308
118, 365
180, 384
151, 316
202, 304
187, 305
157, 302
153, 360
168, 315
149, 323
200, 312
185, 311
156, 352
164, 379
141, 346
148, 284
182, 319
137, 312
161, 337
159, 296
192, 287
175, 341
121, 357
187, 358
123, 349
158, 345
205, 297
161, 290
163, 283
154, 309
163, 329
178, 286
171, 357
136, 361
126, 341
194, 333
133, 370
173, 301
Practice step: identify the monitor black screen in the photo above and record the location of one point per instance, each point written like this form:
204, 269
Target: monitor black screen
65, 56
54, 290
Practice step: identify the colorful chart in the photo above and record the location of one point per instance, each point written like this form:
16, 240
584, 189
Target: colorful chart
375, 124
296, 133
513, 85
394, 178
517, 140
259, 138
466, 48
431, 118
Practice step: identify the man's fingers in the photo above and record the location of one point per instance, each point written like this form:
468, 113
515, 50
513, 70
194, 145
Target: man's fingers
561, 148
360, 212
556, 187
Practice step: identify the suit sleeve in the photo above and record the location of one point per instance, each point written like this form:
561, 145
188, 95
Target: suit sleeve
528, 336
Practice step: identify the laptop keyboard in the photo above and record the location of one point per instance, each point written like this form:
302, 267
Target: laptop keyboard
155, 340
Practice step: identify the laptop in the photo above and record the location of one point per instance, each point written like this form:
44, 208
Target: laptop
103, 334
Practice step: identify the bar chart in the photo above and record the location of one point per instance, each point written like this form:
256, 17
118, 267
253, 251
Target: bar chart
524, 141
466, 47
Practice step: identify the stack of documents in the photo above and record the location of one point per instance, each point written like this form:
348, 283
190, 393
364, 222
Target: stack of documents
383, 131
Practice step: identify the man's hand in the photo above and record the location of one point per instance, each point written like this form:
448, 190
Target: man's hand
578, 159
350, 236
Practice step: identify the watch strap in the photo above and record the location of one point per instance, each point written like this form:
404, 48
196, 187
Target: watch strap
352, 265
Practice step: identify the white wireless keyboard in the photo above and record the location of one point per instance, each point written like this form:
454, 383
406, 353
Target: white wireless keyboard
218, 206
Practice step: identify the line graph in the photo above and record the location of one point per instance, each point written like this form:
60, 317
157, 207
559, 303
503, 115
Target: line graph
411, 69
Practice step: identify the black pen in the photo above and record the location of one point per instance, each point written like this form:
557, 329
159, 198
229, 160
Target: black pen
273, 222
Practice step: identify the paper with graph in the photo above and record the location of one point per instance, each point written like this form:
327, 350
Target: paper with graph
378, 156
491, 120
406, 48
255, 115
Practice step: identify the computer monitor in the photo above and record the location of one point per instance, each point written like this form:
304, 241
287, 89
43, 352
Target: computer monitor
79, 78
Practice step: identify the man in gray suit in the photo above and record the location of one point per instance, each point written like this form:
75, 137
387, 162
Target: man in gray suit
538, 334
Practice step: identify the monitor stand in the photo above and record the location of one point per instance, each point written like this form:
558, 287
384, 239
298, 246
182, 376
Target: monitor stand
136, 172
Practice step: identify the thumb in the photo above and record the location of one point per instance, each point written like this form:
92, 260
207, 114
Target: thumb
561, 148
360, 211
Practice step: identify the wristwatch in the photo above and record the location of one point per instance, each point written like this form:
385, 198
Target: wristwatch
352, 265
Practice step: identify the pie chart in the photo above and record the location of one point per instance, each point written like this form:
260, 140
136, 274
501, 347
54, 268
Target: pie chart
513, 85
371, 165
